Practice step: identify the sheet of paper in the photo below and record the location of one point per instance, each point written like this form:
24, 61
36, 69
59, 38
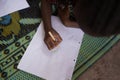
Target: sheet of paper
9, 6
57, 64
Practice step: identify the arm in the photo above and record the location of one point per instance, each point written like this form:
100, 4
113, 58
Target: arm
46, 16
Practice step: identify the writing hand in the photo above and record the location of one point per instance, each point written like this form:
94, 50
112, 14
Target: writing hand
52, 39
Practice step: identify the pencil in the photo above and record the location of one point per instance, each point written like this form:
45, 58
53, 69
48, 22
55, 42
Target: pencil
51, 35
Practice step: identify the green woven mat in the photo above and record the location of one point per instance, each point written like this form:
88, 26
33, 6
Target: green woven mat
16, 32
91, 50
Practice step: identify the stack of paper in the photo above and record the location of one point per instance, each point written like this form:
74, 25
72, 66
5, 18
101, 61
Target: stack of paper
57, 64
9, 6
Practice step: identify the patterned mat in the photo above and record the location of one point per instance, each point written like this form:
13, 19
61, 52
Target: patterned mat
17, 30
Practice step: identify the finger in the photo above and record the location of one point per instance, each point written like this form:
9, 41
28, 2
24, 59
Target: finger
51, 44
58, 38
58, 41
55, 43
48, 43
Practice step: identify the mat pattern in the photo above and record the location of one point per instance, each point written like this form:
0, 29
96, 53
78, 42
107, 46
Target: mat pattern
16, 32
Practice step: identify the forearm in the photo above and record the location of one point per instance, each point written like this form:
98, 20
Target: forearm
46, 14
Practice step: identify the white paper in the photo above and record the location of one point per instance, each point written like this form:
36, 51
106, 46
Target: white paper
57, 64
9, 6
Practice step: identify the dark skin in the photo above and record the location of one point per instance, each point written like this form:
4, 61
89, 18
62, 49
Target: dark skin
46, 16
96, 17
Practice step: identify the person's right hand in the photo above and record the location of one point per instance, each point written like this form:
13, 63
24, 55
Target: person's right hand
50, 42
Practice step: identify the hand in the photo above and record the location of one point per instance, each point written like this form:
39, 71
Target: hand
52, 41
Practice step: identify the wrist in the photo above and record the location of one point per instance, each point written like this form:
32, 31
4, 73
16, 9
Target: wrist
47, 28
